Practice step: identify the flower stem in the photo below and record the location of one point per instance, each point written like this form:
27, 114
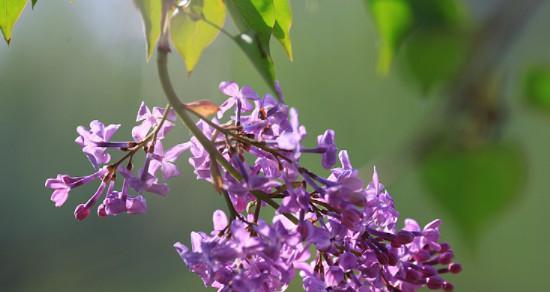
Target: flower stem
177, 105
175, 102
151, 136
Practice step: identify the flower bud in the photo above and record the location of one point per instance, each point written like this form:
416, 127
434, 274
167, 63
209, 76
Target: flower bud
448, 286
81, 212
403, 237
434, 283
446, 257
455, 268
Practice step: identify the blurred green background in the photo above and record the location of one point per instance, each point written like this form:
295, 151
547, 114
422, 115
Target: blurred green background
74, 61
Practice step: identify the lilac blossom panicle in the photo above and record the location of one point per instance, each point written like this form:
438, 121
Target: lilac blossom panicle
351, 226
96, 141
336, 231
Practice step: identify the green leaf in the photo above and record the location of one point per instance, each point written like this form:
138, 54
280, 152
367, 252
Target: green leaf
433, 57
438, 14
537, 87
393, 20
250, 44
254, 16
474, 185
34, 3
283, 23
10, 11
151, 12
255, 19
264, 18
191, 34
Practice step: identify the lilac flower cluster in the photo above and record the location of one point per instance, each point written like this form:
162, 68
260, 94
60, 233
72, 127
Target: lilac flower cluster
153, 125
337, 232
352, 227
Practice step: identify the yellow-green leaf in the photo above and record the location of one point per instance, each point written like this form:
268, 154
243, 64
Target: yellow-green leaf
195, 27
257, 16
151, 12
393, 19
10, 10
283, 23
266, 9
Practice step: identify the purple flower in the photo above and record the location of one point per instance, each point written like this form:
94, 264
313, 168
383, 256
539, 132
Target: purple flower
83, 210
314, 284
89, 139
326, 142
165, 161
117, 203
63, 184
346, 170
291, 138
151, 118
349, 226
120, 202
325, 146
237, 96
61, 187
380, 212
144, 183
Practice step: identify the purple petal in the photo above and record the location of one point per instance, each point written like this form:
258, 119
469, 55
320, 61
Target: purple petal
169, 170
109, 131
136, 205
229, 88
140, 131
174, 153
143, 112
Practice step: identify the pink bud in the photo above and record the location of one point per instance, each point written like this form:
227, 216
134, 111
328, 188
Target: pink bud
434, 283
101, 212
455, 268
448, 286
446, 257
81, 212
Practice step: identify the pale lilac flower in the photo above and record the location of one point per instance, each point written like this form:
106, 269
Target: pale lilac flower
166, 161
149, 119
144, 183
291, 138
63, 184
350, 226
89, 139
117, 203
236, 95
326, 142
